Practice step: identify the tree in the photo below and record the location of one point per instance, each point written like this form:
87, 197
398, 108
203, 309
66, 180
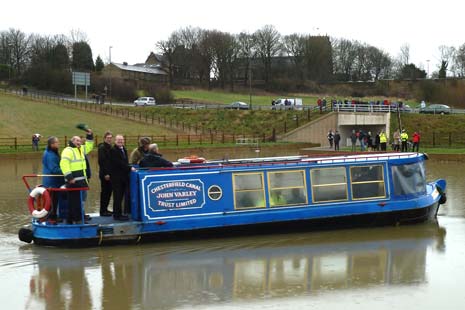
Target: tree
459, 61
168, 48
411, 72
99, 65
404, 54
268, 44
295, 45
446, 54
442, 73
82, 57
246, 53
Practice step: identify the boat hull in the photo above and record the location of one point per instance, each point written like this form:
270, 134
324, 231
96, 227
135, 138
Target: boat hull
410, 216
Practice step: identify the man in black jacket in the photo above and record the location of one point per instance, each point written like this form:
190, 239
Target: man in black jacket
104, 173
154, 159
119, 174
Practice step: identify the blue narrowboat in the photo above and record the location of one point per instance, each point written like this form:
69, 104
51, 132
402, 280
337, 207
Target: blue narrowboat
257, 195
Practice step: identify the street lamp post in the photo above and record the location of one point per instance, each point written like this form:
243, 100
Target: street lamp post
111, 69
427, 66
250, 86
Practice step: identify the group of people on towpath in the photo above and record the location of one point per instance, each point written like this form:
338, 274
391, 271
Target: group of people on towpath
114, 169
378, 142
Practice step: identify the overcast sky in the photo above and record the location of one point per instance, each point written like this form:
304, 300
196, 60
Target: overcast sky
133, 27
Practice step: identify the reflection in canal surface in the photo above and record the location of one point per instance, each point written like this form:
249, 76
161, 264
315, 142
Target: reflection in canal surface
407, 266
170, 275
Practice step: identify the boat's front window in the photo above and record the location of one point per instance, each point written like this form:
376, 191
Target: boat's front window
409, 179
287, 188
367, 182
329, 184
248, 190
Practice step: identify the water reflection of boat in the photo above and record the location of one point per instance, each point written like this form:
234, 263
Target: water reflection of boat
275, 194
170, 275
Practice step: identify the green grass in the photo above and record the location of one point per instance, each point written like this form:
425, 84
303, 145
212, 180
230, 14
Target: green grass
215, 96
224, 97
22, 117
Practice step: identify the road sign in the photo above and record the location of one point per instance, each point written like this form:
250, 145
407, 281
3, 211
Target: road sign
81, 78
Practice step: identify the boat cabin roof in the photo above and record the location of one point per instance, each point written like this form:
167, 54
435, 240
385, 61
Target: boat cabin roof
298, 160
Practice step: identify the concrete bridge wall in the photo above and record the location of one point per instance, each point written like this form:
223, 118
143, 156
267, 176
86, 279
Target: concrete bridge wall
317, 130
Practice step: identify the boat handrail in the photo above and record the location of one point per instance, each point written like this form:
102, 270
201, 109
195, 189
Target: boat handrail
287, 160
25, 177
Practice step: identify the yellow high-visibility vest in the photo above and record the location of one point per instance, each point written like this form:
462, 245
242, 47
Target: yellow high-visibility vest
73, 160
382, 138
404, 136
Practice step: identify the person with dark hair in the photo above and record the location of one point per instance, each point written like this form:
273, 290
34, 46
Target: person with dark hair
104, 173
119, 174
138, 153
337, 138
51, 168
154, 159
74, 167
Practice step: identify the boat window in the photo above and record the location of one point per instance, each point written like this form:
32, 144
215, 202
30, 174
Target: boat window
215, 192
248, 190
287, 188
329, 184
367, 182
409, 179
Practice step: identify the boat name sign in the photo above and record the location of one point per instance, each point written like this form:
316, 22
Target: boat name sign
177, 194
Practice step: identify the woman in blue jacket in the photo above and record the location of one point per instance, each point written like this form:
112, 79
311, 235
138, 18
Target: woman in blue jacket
51, 166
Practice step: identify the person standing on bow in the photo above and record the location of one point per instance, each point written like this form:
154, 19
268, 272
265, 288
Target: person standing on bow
73, 165
51, 168
119, 174
104, 173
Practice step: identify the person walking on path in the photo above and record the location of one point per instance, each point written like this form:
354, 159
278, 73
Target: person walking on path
330, 138
416, 141
337, 139
35, 142
73, 165
104, 173
404, 140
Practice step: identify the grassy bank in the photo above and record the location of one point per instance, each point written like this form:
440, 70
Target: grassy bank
441, 131
264, 99
21, 117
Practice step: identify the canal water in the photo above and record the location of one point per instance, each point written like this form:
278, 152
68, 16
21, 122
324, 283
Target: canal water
407, 267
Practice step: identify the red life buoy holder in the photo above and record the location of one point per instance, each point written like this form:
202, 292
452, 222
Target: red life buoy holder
192, 160
39, 202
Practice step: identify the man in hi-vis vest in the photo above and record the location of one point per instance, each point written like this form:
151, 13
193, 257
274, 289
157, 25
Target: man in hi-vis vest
73, 165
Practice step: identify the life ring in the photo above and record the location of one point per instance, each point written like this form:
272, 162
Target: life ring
43, 202
192, 160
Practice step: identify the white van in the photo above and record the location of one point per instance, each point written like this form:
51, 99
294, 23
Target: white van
143, 101
287, 103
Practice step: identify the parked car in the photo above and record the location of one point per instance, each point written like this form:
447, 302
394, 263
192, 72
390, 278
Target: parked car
144, 101
237, 105
436, 109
